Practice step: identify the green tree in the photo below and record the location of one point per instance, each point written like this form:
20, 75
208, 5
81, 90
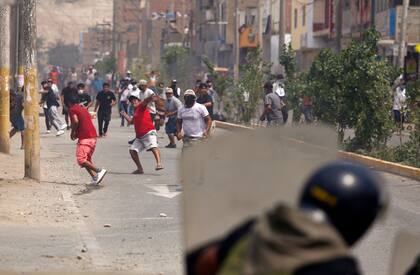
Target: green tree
248, 93
175, 62
412, 147
352, 91
106, 65
223, 84
295, 84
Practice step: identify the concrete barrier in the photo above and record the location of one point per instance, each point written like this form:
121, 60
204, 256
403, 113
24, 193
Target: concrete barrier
391, 167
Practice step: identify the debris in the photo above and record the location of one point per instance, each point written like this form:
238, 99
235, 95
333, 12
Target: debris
163, 215
84, 250
107, 225
79, 257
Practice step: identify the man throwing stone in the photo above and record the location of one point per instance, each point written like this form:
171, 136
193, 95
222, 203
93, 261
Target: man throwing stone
146, 135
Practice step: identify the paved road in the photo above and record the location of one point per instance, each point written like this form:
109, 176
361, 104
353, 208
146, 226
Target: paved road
139, 239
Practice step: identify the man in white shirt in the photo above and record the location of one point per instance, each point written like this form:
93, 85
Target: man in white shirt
145, 92
398, 105
193, 119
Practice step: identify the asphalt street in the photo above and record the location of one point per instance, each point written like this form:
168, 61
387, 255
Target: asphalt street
134, 222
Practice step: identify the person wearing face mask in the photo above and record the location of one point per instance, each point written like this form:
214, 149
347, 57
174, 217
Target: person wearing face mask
84, 99
193, 120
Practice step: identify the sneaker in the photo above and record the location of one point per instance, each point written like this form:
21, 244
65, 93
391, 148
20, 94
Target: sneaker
101, 176
60, 133
170, 146
64, 127
48, 132
94, 180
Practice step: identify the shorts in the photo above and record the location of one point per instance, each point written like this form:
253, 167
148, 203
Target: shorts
147, 142
17, 122
85, 150
170, 126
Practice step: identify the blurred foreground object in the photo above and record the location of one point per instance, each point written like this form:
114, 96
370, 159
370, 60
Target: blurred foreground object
313, 239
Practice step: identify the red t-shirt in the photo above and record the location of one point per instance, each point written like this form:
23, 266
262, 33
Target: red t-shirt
143, 123
86, 129
54, 77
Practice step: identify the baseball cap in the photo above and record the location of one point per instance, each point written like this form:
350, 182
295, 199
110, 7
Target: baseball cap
134, 94
189, 92
142, 82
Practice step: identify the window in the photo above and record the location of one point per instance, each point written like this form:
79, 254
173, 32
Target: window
296, 17
303, 15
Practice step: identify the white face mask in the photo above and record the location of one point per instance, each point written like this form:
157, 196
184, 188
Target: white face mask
80, 92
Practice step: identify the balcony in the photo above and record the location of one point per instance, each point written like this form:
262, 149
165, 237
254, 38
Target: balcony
320, 29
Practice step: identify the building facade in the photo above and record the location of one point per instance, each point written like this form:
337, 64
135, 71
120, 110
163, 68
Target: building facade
314, 26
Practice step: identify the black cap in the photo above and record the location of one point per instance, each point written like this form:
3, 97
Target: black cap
350, 196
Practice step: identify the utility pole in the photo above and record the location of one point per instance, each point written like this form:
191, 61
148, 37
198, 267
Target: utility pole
27, 64
373, 14
4, 78
114, 31
282, 29
237, 49
339, 11
403, 33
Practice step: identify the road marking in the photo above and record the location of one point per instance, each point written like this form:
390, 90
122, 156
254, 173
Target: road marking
87, 237
163, 191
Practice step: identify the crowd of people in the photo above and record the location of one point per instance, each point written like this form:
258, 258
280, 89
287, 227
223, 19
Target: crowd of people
150, 106
146, 104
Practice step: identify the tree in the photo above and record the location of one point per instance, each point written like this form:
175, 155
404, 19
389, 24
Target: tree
222, 85
352, 91
412, 147
64, 55
175, 62
106, 65
248, 93
295, 84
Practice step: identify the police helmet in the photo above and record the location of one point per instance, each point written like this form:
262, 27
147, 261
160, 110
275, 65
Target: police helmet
349, 196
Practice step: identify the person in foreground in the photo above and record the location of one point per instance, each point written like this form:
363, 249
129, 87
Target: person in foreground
82, 129
146, 135
338, 204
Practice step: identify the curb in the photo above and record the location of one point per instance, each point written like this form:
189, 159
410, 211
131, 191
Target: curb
386, 166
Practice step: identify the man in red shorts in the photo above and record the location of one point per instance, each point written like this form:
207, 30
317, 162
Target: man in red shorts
146, 135
82, 128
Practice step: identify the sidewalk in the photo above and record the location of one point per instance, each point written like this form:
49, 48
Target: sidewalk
36, 221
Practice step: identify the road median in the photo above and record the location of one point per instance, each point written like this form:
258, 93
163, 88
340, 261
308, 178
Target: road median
391, 167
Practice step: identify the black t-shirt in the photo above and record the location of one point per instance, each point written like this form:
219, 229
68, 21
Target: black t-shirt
51, 99
16, 104
206, 98
105, 100
68, 93
85, 99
